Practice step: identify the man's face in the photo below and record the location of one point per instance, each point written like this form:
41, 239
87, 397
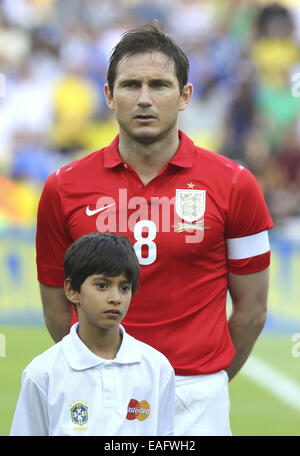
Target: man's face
146, 96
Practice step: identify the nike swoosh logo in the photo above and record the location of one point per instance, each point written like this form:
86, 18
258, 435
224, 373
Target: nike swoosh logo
90, 212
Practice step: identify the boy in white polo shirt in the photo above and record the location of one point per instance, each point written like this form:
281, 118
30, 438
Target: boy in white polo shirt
98, 380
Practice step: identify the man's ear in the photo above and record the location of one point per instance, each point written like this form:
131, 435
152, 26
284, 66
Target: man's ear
71, 294
109, 97
186, 96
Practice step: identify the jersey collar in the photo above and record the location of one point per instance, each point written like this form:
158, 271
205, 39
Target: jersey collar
80, 357
183, 158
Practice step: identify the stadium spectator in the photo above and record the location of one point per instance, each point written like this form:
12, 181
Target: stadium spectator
197, 220
275, 52
284, 199
216, 36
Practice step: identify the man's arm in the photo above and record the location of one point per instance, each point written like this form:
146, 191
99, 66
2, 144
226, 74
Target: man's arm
249, 295
57, 311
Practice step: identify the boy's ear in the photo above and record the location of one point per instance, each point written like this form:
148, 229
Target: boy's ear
71, 294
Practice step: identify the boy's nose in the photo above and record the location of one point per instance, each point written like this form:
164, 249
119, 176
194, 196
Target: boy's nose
115, 296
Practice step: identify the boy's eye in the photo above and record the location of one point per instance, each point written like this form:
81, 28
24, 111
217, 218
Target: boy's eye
101, 285
125, 288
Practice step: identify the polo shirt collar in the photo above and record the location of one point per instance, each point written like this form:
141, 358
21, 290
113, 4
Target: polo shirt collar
80, 357
183, 157
111, 154
185, 153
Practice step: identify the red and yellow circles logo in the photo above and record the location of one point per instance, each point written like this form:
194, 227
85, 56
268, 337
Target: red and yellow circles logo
137, 410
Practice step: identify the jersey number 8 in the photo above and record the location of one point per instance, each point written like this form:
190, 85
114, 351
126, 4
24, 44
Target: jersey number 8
147, 241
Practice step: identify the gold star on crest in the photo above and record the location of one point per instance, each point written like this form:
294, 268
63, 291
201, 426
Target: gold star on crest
191, 185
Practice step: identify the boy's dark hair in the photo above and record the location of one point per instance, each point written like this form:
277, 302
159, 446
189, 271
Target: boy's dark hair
101, 253
148, 38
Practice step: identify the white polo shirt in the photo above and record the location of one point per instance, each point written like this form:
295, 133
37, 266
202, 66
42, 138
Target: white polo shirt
68, 390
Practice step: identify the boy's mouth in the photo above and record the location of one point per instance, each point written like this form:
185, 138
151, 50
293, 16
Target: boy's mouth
113, 312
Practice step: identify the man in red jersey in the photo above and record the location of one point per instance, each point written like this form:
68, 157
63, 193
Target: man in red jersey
198, 222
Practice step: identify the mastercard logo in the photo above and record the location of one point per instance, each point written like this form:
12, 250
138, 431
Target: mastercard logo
137, 410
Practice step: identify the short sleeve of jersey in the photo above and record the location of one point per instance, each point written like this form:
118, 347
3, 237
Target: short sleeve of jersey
247, 226
52, 238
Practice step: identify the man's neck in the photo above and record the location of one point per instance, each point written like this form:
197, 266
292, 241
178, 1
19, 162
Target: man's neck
148, 159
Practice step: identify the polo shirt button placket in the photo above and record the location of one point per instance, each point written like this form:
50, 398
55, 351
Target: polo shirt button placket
139, 185
109, 386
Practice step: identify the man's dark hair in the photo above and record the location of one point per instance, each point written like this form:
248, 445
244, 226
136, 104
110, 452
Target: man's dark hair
148, 38
101, 253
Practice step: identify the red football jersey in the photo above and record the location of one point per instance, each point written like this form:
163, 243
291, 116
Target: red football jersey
201, 216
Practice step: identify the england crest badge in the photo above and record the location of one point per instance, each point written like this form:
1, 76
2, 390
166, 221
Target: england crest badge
190, 204
79, 414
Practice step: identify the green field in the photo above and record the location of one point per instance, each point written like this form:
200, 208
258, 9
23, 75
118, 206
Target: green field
254, 410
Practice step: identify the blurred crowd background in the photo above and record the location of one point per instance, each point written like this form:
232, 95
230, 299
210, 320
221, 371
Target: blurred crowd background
244, 65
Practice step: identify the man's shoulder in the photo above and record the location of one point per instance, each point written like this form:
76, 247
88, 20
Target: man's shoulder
208, 163
219, 170
82, 170
87, 161
217, 160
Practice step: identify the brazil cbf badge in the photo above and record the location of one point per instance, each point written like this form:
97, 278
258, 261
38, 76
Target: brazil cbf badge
190, 204
79, 414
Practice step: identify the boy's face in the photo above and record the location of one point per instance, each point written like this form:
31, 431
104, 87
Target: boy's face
102, 301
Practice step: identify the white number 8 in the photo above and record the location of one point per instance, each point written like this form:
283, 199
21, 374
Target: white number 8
148, 241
